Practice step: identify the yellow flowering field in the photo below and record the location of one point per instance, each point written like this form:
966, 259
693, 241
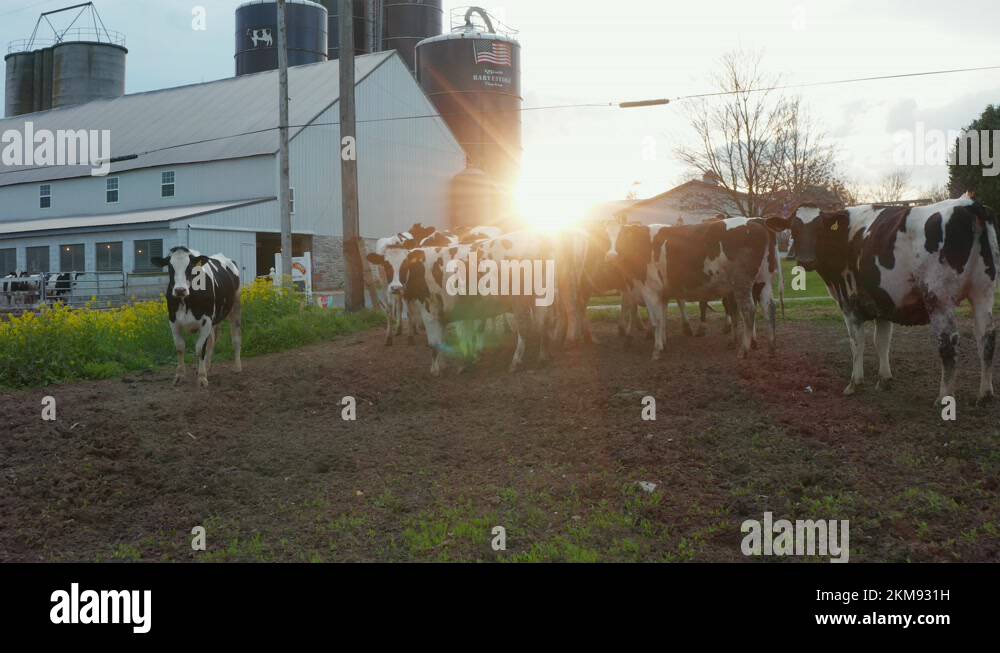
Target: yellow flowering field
62, 343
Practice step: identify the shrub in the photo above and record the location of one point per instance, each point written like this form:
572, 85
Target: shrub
62, 344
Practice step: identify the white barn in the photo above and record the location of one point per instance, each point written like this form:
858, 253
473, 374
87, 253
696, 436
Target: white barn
197, 166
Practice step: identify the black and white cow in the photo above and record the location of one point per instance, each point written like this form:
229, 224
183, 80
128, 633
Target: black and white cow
58, 286
203, 292
703, 262
405, 240
25, 287
422, 276
908, 266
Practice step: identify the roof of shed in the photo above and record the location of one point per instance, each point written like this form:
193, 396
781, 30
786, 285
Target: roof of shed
223, 119
166, 214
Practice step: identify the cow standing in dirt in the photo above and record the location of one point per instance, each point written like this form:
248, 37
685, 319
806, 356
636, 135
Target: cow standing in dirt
707, 261
405, 240
908, 266
203, 292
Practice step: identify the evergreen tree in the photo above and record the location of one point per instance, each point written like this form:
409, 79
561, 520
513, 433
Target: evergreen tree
970, 177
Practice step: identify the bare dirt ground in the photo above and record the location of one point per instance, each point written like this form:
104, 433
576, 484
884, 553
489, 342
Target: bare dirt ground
264, 462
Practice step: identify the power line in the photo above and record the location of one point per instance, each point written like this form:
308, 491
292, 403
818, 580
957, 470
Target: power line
632, 104
837, 82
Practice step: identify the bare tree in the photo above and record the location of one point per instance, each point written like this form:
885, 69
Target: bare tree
737, 135
763, 150
803, 157
891, 187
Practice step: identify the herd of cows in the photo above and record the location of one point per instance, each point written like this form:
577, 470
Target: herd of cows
29, 289
890, 265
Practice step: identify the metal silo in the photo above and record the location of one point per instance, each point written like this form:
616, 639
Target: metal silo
83, 72
365, 26
76, 64
473, 77
257, 34
407, 22
19, 92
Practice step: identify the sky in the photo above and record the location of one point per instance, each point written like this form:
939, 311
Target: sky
598, 52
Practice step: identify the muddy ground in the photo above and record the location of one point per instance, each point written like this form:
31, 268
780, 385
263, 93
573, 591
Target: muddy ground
264, 462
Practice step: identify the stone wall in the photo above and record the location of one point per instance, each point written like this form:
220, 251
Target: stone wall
328, 262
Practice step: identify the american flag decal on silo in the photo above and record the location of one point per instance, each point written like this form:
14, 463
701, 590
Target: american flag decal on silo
497, 53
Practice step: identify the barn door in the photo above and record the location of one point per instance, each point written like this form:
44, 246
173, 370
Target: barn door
248, 263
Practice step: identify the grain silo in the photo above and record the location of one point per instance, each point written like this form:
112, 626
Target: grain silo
366, 26
473, 77
257, 34
77, 64
407, 22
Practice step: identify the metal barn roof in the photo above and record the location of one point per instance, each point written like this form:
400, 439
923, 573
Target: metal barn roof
164, 215
158, 125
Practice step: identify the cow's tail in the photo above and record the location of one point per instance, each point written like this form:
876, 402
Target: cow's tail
781, 277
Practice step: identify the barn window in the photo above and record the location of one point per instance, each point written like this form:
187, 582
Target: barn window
71, 258
38, 259
44, 196
167, 186
8, 260
109, 257
145, 250
112, 190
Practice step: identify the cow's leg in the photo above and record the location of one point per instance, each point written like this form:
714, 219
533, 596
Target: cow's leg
729, 323
540, 315
685, 326
771, 314
657, 319
435, 328
397, 303
627, 317
390, 308
856, 334
412, 318
702, 319
748, 314
236, 325
180, 346
522, 322
946, 331
206, 339
883, 341
986, 336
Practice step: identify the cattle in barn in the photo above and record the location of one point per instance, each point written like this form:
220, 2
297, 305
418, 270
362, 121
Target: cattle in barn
702, 262
58, 286
907, 266
23, 288
202, 293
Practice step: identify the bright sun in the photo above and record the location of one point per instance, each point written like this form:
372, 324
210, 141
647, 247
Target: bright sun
548, 208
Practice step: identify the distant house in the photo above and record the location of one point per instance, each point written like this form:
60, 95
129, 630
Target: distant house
698, 200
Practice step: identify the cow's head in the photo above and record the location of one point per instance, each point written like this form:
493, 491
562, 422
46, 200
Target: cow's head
181, 264
419, 231
815, 230
393, 262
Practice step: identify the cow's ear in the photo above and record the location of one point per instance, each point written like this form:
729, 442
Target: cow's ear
777, 224
159, 261
375, 259
199, 260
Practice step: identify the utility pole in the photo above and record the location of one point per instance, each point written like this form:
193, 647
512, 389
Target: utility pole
283, 179
354, 288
